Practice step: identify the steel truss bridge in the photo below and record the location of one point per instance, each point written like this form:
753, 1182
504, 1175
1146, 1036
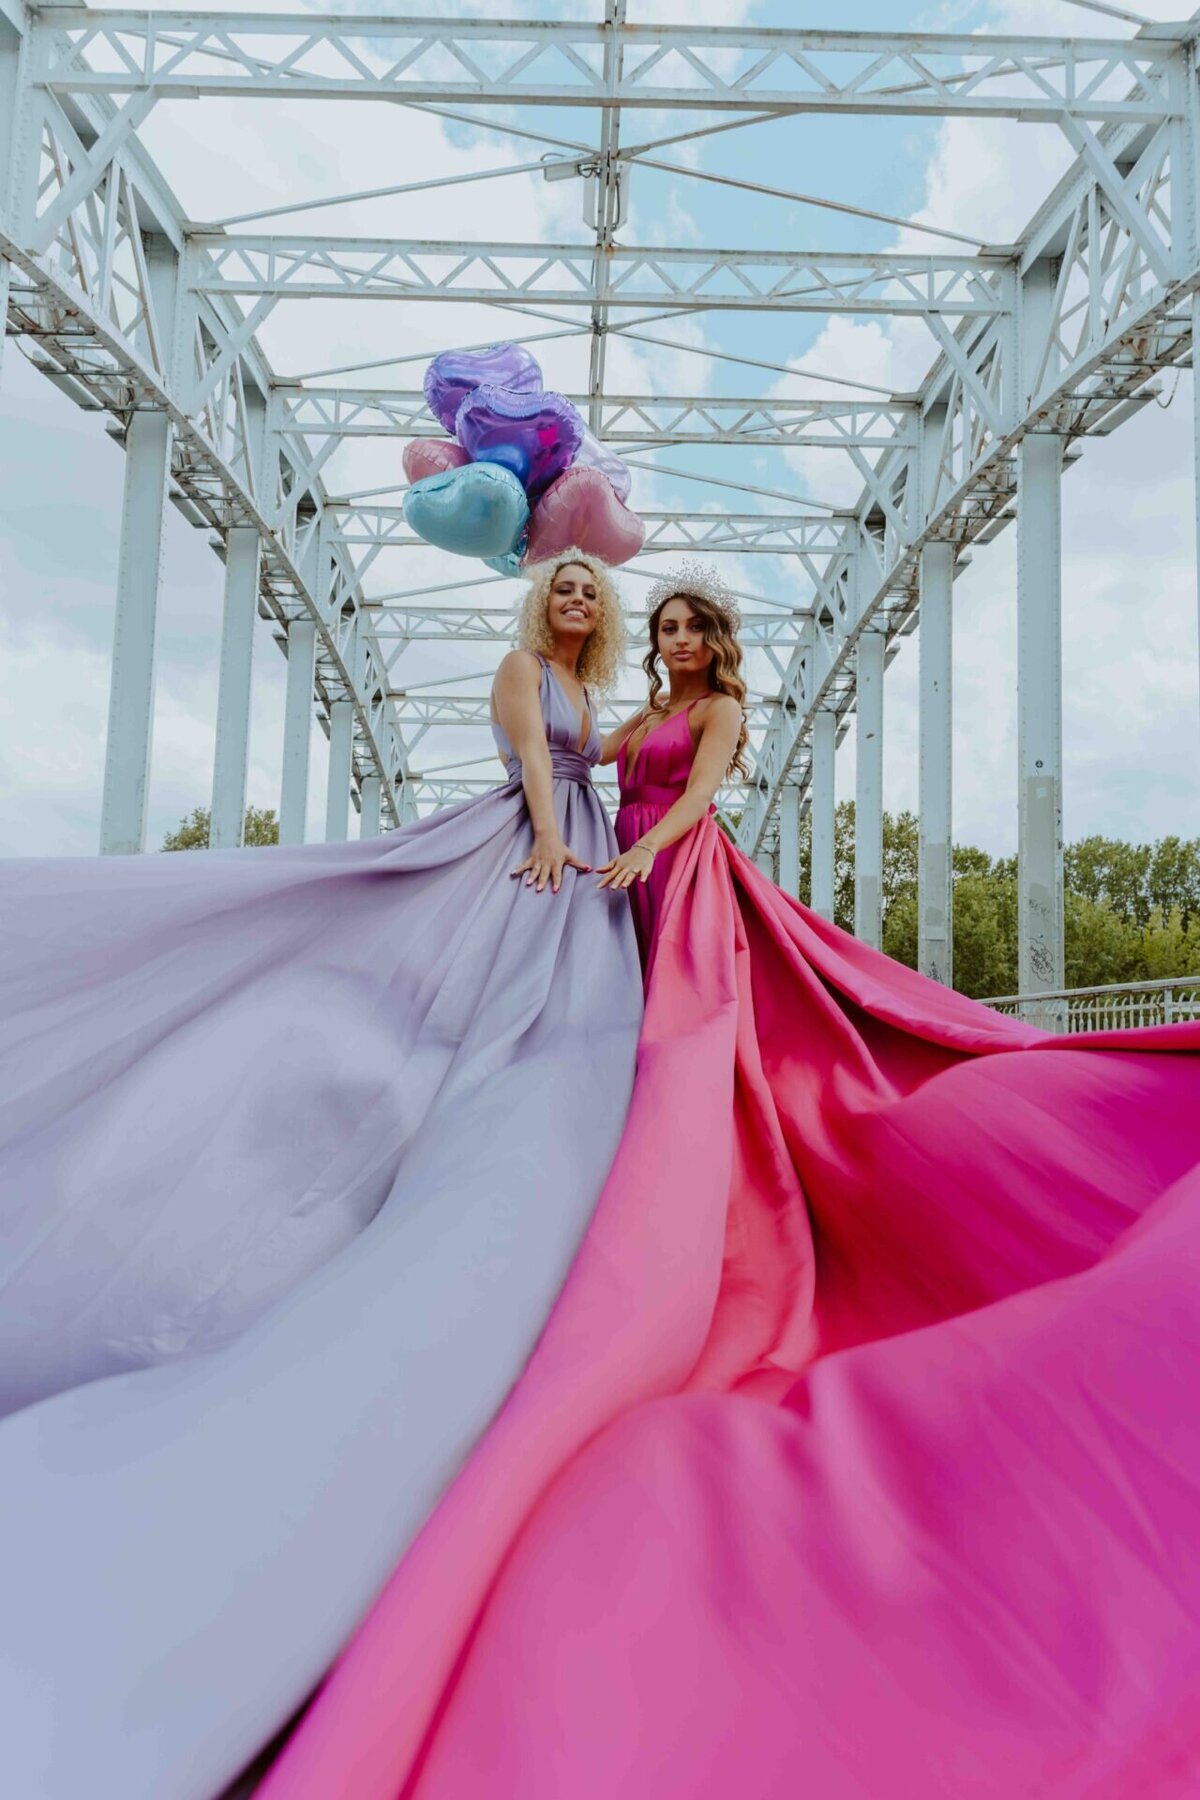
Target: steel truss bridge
154, 320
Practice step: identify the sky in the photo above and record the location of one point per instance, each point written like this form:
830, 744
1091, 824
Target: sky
1129, 568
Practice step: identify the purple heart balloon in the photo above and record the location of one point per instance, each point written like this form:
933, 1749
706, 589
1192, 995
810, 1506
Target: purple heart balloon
595, 455
535, 436
454, 374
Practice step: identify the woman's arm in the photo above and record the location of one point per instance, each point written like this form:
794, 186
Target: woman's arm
718, 740
612, 743
517, 694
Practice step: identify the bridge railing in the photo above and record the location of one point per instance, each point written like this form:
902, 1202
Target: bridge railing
1106, 1008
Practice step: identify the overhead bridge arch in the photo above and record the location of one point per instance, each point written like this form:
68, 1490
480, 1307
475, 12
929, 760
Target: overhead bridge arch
155, 320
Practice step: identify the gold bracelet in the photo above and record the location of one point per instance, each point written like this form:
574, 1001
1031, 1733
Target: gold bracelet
646, 847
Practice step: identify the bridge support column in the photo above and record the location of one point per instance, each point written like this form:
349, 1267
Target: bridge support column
1040, 949
824, 751
368, 817
341, 752
15, 119
242, 550
789, 839
148, 442
868, 791
131, 693
297, 729
935, 872
1196, 419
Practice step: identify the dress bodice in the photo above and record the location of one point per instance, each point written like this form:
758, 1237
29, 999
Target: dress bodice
564, 732
661, 763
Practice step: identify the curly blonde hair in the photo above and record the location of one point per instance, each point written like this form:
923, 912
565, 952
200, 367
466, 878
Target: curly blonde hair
604, 652
724, 671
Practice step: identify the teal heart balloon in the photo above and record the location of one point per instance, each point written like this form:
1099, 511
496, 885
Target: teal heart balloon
505, 565
477, 510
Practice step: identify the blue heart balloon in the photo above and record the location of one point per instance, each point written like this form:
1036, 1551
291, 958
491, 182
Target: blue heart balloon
505, 565
478, 510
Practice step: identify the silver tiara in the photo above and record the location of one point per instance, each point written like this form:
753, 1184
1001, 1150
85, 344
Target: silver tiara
699, 581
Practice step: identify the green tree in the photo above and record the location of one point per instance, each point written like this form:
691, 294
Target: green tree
1132, 910
259, 827
1169, 946
1103, 946
1173, 880
985, 934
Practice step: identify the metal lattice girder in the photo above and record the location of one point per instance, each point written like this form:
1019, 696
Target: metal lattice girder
384, 527
94, 324
421, 710
321, 413
850, 281
1102, 306
1064, 334
438, 790
528, 63
494, 625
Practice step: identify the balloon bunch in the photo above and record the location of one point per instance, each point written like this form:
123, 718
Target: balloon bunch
521, 478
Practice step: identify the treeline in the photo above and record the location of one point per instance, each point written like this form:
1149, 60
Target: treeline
1132, 910
260, 826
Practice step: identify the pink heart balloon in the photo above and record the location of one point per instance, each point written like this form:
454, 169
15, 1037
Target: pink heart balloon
582, 508
432, 456
595, 455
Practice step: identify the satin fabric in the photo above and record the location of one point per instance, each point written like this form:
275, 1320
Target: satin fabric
649, 788
860, 1456
296, 1148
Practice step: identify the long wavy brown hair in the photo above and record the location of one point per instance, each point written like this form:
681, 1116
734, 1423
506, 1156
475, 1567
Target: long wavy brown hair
603, 654
724, 671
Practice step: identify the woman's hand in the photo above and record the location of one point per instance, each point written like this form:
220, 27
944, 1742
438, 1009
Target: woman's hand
547, 860
632, 865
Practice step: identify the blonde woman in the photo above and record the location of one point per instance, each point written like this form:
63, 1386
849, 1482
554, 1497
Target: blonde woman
571, 640
298, 1145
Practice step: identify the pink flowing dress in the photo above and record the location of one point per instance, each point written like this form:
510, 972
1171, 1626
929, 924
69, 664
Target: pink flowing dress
649, 789
860, 1457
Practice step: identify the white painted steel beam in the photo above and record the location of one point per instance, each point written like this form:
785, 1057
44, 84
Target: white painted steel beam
856, 282
496, 625
131, 691
297, 730
234, 687
789, 840
700, 533
1196, 443
148, 443
935, 853
642, 419
341, 749
824, 813
416, 709
368, 816
554, 63
868, 790
1040, 914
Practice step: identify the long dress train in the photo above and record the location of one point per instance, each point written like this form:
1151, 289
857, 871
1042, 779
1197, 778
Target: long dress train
296, 1149
861, 1454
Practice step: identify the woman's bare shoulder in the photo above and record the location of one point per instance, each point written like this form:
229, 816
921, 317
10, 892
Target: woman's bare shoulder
519, 666
721, 707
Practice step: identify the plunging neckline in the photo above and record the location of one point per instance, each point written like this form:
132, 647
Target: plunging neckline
585, 717
670, 717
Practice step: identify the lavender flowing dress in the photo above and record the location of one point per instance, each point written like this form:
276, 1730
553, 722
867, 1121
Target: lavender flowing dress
296, 1148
